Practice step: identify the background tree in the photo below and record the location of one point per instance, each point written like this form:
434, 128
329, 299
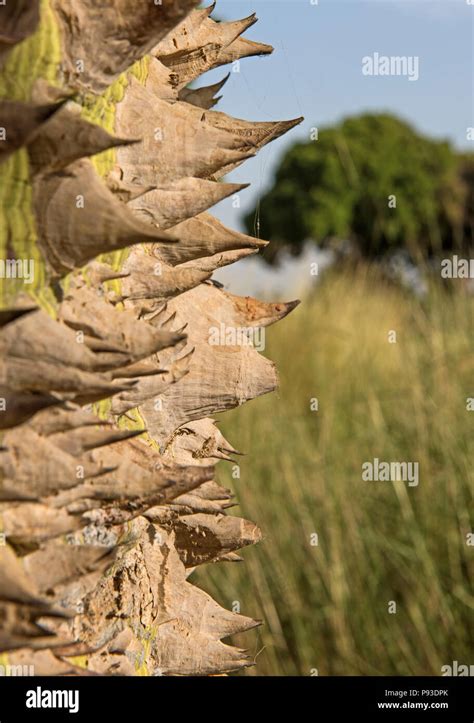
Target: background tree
374, 181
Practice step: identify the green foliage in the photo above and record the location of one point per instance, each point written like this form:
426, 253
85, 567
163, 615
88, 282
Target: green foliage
340, 187
327, 606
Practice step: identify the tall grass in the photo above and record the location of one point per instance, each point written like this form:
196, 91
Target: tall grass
325, 607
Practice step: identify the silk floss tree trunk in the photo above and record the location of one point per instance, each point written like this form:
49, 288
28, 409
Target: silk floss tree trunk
109, 380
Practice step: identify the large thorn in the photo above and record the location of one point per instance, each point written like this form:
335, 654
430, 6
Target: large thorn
68, 137
21, 122
144, 282
9, 315
18, 20
84, 309
196, 45
165, 126
203, 97
79, 441
78, 218
205, 236
111, 36
19, 406
183, 199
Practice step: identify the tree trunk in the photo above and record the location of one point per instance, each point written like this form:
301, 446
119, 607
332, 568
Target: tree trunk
108, 378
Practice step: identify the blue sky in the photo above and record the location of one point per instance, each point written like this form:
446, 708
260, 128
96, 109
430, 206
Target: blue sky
315, 71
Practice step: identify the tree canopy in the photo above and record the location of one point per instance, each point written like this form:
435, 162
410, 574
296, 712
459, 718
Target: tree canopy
372, 180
